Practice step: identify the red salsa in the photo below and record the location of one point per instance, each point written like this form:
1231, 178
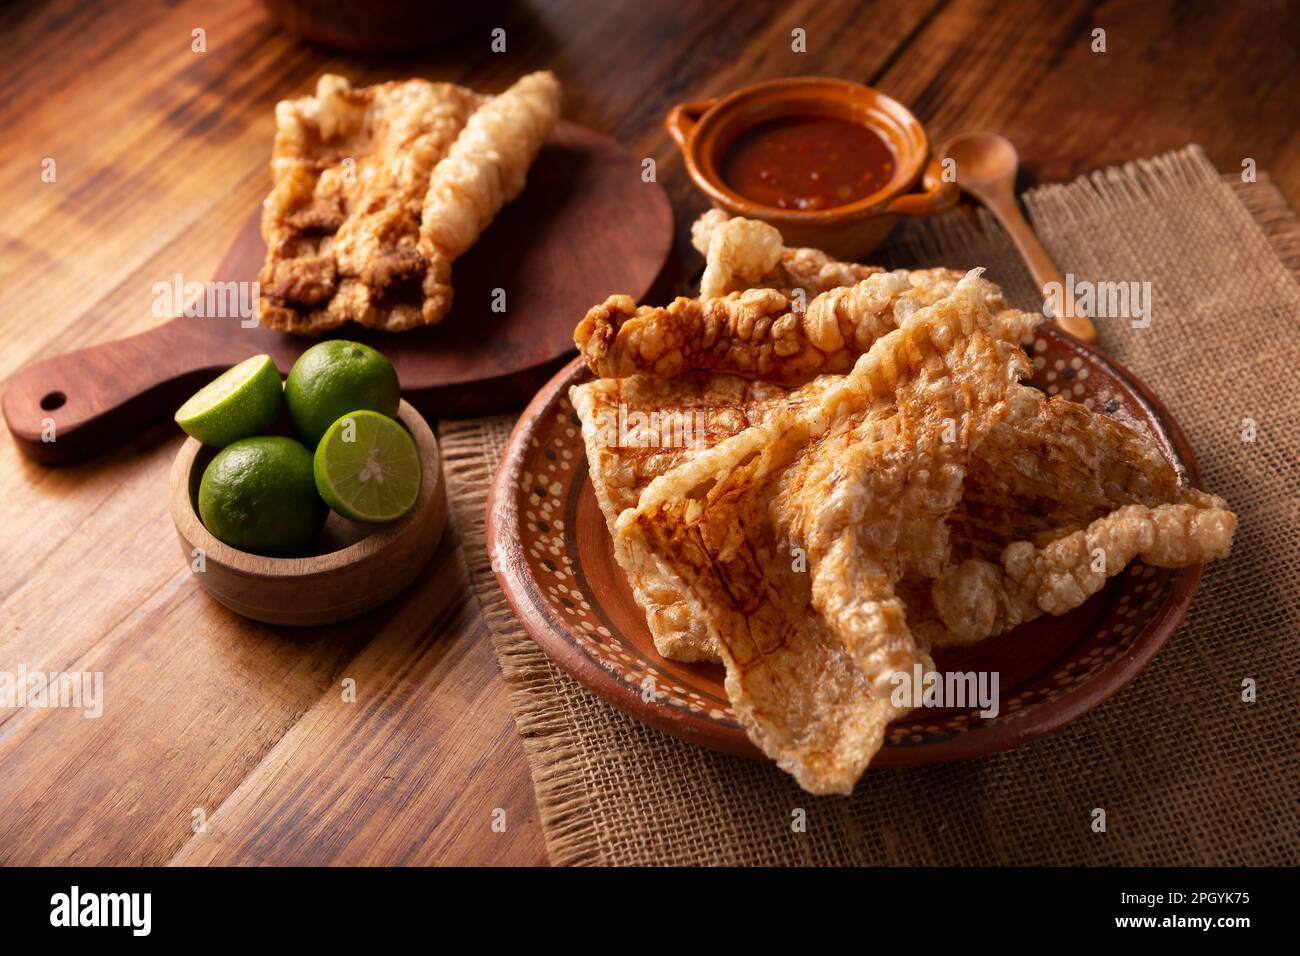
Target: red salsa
808, 162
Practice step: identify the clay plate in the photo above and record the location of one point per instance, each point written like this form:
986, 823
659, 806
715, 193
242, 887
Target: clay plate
555, 562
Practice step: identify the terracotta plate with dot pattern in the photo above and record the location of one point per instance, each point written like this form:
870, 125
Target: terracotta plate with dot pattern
555, 562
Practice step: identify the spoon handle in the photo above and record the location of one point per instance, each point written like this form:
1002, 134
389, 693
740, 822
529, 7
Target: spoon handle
1004, 208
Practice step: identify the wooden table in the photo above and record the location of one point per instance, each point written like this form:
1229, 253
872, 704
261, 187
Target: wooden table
161, 152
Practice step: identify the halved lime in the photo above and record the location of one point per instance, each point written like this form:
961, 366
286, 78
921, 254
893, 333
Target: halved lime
240, 402
368, 468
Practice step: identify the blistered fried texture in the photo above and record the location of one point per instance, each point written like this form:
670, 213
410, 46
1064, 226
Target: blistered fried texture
622, 461
351, 168
738, 253
821, 539
378, 190
757, 334
636, 429
875, 494
1043, 492
1056, 471
790, 536
485, 169
751, 333
749, 254
793, 686
745, 254
977, 598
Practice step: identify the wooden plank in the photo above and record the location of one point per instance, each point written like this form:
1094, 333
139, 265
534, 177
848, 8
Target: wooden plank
161, 153
198, 703
1171, 74
414, 771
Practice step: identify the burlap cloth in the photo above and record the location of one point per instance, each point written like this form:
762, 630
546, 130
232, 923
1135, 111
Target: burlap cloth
1186, 771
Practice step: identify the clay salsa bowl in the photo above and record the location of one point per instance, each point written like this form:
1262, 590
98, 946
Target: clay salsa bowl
553, 557
706, 129
351, 567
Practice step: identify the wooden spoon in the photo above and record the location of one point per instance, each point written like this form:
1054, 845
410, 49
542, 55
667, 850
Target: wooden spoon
986, 168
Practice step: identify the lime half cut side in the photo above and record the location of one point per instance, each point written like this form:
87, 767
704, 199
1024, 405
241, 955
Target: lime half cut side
241, 402
368, 468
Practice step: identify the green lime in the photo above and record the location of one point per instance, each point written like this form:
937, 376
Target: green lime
368, 468
259, 494
336, 377
241, 401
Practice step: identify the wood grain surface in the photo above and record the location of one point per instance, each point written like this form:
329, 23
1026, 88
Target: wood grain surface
161, 153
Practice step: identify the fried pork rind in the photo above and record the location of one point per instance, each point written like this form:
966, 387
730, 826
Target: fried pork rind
820, 539
750, 333
728, 404
486, 169
1054, 504
636, 429
743, 254
845, 526
756, 334
346, 221
749, 254
978, 598
860, 481
351, 169
793, 686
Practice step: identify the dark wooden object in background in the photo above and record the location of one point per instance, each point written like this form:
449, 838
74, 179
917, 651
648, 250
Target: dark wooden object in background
161, 153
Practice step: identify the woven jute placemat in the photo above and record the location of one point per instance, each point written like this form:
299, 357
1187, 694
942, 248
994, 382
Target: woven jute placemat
1186, 770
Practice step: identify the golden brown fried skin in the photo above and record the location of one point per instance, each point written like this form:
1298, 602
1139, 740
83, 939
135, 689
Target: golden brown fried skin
743, 254
351, 168
748, 254
1056, 471
636, 429
723, 405
928, 495
1055, 503
978, 598
727, 404
754, 318
756, 333
377, 190
831, 539
788, 539
485, 169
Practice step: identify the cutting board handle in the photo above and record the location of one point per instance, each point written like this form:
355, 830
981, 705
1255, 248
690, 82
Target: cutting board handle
75, 405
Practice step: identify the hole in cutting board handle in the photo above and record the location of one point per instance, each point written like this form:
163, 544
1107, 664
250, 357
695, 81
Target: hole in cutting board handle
52, 400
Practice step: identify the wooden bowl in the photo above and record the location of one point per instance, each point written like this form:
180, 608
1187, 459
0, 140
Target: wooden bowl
704, 130
352, 567
555, 562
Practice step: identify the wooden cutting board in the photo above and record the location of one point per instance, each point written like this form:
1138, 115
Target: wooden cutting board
585, 227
